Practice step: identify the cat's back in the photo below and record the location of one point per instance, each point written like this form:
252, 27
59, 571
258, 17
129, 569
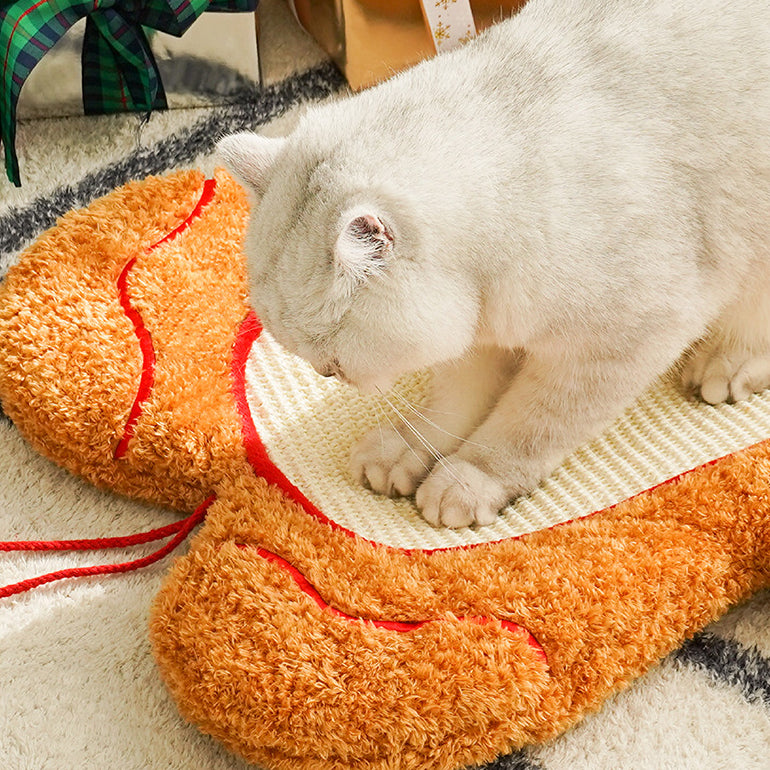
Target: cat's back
680, 33
576, 121
707, 61
674, 69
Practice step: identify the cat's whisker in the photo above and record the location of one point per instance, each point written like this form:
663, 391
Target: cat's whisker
424, 408
406, 443
437, 456
418, 435
419, 412
380, 410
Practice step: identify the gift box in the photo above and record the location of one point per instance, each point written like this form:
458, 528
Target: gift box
370, 40
104, 56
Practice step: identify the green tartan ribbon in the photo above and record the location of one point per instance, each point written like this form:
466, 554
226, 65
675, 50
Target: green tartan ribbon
119, 70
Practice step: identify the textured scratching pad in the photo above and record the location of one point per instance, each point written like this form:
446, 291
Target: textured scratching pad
127, 350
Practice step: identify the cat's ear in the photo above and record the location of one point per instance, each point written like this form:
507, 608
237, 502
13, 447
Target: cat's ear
364, 243
250, 157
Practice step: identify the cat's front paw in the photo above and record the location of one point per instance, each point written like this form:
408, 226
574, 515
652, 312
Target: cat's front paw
386, 463
458, 494
718, 376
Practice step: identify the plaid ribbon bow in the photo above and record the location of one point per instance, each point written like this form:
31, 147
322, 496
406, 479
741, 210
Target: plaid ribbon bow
119, 70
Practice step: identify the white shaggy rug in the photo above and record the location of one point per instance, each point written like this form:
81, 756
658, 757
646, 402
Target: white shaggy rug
78, 685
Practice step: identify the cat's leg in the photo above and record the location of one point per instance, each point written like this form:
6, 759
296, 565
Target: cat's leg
556, 402
393, 460
734, 360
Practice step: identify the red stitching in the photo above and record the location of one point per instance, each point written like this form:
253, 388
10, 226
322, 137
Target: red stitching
207, 195
147, 378
256, 452
390, 625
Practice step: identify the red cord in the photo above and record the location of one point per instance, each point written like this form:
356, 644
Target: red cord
180, 529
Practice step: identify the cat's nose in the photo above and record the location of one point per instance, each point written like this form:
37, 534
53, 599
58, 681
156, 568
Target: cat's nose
331, 369
328, 369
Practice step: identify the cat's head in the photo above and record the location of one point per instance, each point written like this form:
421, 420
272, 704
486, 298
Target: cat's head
345, 268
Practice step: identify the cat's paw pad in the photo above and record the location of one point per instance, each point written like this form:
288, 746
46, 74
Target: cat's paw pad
719, 377
458, 494
384, 462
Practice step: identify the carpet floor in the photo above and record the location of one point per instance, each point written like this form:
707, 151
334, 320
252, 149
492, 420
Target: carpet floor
79, 685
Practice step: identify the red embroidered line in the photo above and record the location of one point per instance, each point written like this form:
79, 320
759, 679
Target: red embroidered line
390, 625
256, 452
207, 195
181, 529
147, 378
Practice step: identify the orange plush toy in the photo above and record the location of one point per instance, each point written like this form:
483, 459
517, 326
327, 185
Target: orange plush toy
128, 354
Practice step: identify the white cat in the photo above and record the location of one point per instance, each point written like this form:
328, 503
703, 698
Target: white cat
548, 218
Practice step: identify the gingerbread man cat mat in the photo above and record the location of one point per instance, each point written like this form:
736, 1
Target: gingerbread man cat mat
129, 355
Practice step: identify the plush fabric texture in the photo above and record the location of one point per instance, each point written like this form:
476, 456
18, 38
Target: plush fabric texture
69, 359
605, 596
286, 636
